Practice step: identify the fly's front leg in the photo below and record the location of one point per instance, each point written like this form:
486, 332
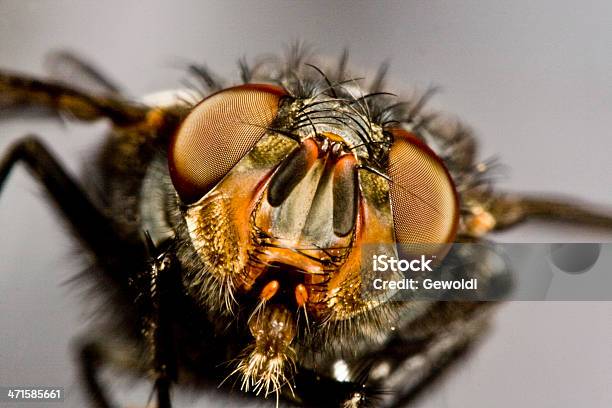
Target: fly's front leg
91, 226
157, 288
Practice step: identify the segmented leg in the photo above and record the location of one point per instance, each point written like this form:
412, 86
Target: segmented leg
422, 346
87, 221
92, 227
416, 363
18, 92
510, 210
395, 374
157, 288
502, 211
90, 358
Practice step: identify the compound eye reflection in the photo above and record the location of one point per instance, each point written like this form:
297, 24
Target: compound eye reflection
423, 197
217, 133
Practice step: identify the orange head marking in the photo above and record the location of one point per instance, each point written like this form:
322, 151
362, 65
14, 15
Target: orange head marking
269, 290
301, 295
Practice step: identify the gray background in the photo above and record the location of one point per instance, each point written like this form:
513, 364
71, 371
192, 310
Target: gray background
534, 79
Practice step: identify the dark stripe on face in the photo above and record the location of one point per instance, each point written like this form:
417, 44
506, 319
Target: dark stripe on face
345, 195
291, 171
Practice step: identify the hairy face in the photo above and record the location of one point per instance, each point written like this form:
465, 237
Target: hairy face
285, 193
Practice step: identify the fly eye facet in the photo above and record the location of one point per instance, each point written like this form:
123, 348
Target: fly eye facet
217, 133
423, 197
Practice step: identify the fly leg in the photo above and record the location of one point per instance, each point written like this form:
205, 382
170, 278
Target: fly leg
409, 365
422, 346
19, 92
510, 210
106, 350
91, 359
90, 224
396, 374
155, 355
157, 287
497, 211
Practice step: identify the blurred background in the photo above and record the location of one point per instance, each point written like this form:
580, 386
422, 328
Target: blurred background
533, 79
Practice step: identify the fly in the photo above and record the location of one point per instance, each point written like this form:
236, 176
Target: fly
235, 222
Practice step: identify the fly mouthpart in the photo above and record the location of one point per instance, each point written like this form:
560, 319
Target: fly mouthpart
269, 362
271, 289
282, 284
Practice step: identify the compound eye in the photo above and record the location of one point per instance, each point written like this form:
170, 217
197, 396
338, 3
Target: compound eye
217, 133
423, 197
